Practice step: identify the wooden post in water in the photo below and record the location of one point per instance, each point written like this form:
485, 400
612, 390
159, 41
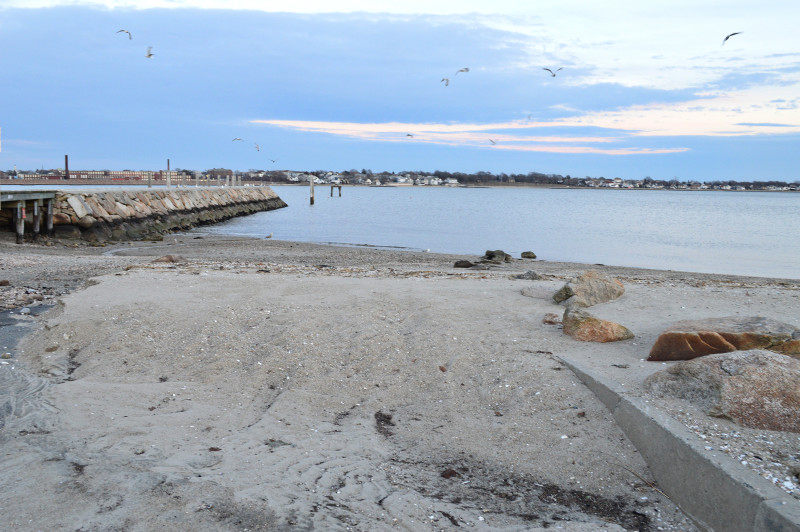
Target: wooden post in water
311, 183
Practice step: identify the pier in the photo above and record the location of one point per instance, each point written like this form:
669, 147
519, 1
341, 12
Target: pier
20, 203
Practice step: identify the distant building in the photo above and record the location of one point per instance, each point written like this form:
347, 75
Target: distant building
219, 173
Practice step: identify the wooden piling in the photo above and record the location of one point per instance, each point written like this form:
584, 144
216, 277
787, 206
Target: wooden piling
37, 218
49, 218
19, 217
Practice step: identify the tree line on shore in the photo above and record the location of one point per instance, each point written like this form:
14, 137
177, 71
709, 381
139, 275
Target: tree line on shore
484, 178
481, 178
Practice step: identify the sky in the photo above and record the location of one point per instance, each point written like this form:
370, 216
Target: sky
641, 89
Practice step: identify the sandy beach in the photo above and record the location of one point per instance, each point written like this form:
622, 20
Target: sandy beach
268, 385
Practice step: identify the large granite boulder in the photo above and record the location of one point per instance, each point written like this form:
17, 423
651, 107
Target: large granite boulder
757, 388
690, 339
589, 288
497, 255
584, 327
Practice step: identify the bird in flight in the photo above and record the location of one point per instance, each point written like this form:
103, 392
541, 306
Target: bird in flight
462, 70
552, 73
258, 148
493, 141
235, 139
149, 52
729, 36
409, 135
126, 31
274, 160
446, 81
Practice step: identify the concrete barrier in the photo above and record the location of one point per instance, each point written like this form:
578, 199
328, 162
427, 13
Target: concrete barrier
714, 490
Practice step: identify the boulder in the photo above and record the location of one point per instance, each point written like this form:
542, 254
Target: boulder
87, 221
584, 327
497, 255
78, 207
463, 264
756, 388
695, 338
589, 288
528, 255
61, 219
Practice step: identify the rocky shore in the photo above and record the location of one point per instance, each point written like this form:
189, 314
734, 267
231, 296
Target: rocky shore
228, 384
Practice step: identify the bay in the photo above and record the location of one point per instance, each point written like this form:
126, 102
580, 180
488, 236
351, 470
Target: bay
737, 233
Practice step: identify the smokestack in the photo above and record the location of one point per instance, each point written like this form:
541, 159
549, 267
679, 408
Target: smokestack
66, 167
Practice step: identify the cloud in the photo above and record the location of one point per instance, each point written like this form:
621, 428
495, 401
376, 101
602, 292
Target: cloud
719, 114
468, 135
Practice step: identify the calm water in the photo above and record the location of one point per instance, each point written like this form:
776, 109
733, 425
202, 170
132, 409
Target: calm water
742, 233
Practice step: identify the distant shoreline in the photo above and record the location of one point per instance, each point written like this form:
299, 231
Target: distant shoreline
60, 183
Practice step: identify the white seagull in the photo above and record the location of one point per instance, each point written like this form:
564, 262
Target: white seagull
463, 70
551, 72
235, 139
729, 36
258, 148
493, 141
446, 81
149, 52
126, 31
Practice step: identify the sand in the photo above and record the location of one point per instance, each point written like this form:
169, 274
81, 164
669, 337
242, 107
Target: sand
268, 385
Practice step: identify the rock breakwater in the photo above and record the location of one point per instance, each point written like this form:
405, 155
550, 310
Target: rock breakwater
129, 214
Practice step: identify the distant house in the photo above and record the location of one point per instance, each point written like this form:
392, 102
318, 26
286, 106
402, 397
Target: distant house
219, 173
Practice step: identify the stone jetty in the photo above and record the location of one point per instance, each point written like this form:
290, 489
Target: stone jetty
143, 214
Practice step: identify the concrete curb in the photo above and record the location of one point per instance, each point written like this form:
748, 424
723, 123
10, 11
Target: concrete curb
710, 487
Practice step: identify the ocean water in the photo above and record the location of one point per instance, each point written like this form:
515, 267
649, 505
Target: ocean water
737, 233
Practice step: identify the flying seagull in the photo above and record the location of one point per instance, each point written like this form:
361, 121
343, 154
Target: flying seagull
409, 135
258, 148
729, 36
446, 81
235, 139
274, 160
551, 72
149, 52
126, 31
493, 141
462, 70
